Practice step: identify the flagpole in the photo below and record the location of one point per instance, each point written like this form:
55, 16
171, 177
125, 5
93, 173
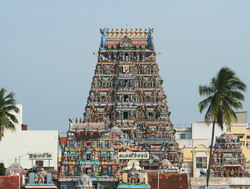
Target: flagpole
158, 179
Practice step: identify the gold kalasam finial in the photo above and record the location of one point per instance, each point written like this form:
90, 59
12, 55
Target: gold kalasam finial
140, 32
145, 32
112, 32
126, 31
117, 32
107, 32
122, 32
136, 32
131, 32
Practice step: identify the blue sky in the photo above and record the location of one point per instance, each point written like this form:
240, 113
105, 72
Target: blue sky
46, 51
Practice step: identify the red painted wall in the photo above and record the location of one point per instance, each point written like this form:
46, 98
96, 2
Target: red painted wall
168, 180
9, 182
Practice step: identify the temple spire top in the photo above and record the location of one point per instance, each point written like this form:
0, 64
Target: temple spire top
122, 32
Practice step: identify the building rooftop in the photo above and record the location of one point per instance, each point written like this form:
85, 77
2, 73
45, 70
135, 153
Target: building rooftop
169, 180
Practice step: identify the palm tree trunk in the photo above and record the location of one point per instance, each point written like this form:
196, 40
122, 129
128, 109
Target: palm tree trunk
210, 155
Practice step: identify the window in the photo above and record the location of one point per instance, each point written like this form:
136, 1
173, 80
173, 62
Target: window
78, 144
106, 143
70, 143
150, 114
157, 115
125, 115
182, 136
100, 170
125, 98
125, 82
147, 98
63, 187
201, 162
98, 144
109, 170
76, 170
126, 57
248, 144
39, 163
66, 169
103, 98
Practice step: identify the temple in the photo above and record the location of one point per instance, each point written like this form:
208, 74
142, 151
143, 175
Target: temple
133, 176
126, 116
40, 179
228, 159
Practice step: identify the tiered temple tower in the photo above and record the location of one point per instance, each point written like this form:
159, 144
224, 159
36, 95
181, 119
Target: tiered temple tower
228, 159
127, 92
127, 102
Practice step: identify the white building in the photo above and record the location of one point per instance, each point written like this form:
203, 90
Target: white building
30, 147
183, 134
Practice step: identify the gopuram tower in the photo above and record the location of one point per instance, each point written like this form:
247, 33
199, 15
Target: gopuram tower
126, 109
227, 158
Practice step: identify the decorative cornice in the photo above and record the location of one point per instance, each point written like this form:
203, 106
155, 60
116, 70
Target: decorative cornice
130, 33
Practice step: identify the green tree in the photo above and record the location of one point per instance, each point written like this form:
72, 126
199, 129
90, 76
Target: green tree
2, 169
7, 108
223, 97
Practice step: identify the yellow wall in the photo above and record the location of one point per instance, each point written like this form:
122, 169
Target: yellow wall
246, 152
240, 130
187, 154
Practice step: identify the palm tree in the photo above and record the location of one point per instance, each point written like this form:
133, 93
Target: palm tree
7, 108
223, 96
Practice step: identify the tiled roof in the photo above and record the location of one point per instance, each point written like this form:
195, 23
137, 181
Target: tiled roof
168, 180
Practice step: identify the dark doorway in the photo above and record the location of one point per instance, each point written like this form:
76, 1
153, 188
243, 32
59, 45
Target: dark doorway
125, 98
125, 115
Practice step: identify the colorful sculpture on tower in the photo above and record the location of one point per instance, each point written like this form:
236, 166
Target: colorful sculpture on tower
15, 169
228, 159
84, 182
